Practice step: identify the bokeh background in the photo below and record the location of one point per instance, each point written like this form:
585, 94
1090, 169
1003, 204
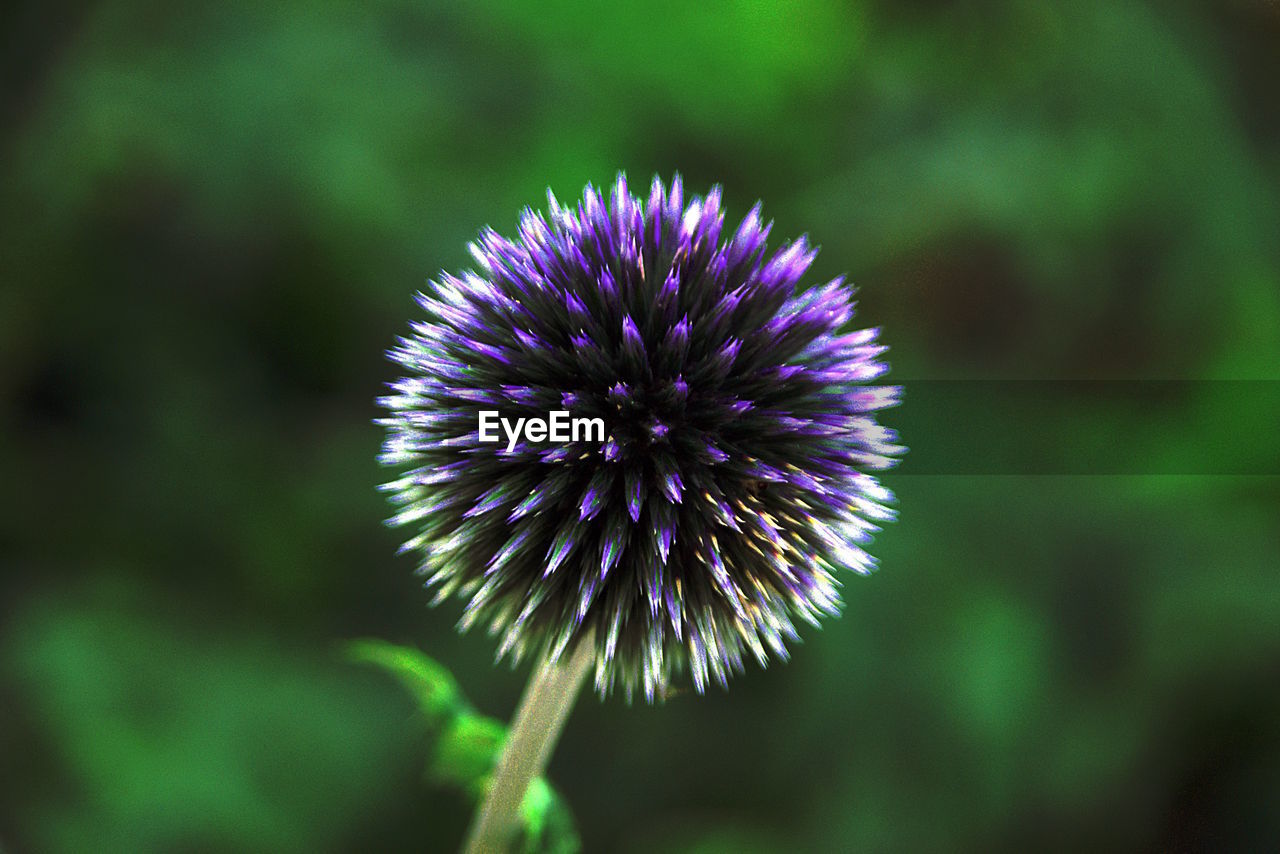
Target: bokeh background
214, 216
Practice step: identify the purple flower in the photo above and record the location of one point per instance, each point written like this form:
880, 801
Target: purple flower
731, 480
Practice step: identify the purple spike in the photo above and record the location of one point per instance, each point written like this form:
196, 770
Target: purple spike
675, 345
559, 550
554, 455
620, 200
635, 493
490, 500
632, 343
714, 454
620, 393
748, 239
524, 395
609, 288
578, 312
594, 496
675, 200
672, 487
726, 354
610, 553
508, 551
666, 534
536, 498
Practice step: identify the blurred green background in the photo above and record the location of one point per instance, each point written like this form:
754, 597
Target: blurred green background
214, 216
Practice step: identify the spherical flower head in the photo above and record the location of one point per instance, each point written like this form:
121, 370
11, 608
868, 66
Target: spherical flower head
731, 482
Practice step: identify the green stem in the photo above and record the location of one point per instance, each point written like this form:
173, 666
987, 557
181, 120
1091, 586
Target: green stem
542, 713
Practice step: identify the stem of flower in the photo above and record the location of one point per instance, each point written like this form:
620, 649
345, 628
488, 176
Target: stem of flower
534, 732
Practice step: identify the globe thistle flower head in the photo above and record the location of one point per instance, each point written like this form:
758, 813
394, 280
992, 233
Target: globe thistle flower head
733, 480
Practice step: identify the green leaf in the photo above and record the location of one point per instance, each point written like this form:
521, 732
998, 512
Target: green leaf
431, 684
548, 824
468, 745
468, 752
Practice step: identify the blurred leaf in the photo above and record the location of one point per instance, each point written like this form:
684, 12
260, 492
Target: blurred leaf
431, 684
468, 745
548, 823
468, 751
